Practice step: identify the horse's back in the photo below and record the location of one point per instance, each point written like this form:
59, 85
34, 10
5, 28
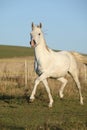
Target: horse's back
67, 59
73, 62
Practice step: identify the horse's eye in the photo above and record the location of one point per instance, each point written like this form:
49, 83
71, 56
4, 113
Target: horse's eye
39, 34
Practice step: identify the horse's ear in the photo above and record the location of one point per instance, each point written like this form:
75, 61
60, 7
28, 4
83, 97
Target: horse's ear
32, 25
40, 25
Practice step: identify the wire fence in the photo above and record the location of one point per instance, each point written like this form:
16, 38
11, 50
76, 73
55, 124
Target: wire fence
16, 73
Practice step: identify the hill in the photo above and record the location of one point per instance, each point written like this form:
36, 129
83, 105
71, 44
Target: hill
15, 51
7, 51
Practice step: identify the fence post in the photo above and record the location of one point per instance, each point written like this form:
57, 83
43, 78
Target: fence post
26, 74
85, 71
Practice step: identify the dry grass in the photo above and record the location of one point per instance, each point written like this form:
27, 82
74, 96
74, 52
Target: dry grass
12, 76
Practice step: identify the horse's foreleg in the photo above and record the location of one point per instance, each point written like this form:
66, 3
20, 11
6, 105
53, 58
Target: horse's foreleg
32, 97
38, 80
48, 91
64, 82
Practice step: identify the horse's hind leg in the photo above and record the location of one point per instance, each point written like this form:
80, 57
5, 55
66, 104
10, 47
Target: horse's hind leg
75, 77
64, 82
48, 91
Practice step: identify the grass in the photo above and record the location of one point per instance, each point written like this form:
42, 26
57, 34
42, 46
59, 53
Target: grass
66, 114
15, 51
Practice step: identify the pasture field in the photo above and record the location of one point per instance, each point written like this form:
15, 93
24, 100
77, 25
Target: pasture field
16, 113
67, 114
15, 51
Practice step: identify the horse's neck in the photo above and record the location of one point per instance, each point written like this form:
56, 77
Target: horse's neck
41, 49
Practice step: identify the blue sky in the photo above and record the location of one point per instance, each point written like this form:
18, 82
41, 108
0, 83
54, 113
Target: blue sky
64, 22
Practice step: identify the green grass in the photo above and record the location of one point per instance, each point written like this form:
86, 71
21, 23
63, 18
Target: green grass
15, 51
66, 114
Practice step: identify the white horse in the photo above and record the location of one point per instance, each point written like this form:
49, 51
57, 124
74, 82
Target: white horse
49, 63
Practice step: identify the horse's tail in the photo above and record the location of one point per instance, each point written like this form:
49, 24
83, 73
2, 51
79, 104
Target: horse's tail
81, 58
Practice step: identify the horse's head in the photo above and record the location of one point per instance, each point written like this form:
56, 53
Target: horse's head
36, 35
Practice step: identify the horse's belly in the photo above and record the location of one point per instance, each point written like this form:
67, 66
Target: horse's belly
58, 72
59, 69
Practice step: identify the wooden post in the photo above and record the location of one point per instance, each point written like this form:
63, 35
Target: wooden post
26, 74
85, 72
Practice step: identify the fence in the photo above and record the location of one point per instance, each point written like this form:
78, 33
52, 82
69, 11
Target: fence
17, 74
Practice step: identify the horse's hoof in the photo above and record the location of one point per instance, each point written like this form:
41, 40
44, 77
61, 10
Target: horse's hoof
61, 95
81, 101
31, 100
50, 105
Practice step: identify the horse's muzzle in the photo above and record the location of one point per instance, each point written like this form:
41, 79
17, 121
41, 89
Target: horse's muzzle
32, 43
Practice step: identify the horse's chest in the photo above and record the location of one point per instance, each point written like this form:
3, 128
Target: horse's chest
41, 65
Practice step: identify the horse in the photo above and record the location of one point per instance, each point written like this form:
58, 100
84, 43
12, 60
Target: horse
49, 63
